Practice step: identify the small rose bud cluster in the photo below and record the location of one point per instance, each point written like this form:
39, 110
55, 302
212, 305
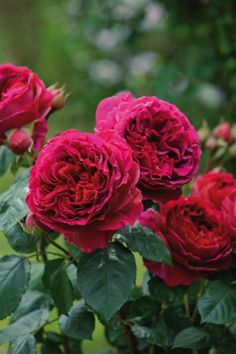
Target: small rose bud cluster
25, 104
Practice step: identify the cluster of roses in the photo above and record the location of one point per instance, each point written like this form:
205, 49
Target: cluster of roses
87, 186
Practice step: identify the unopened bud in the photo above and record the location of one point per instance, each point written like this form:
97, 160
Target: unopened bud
211, 143
19, 141
34, 226
59, 97
224, 131
232, 151
203, 132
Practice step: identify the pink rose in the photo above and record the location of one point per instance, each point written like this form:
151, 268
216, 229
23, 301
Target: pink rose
199, 244
24, 100
214, 187
84, 186
224, 131
164, 143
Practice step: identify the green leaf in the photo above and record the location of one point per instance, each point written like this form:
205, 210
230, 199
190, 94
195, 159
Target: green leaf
106, 278
192, 338
218, 304
58, 283
79, 324
23, 345
36, 274
142, 240
5, 159
14, 277
12, 202
20, 240
31, 301
50, 347
24, 325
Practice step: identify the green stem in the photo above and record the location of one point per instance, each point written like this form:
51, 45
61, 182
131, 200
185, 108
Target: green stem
186, 305
131, 338
42, 250
55, 244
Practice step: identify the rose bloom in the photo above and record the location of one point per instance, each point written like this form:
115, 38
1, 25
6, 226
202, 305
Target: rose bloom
193, 233
164, 143
24, 101
214, 187
229, 212
84, 186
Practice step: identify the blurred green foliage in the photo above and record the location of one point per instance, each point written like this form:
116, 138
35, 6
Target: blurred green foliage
182, 51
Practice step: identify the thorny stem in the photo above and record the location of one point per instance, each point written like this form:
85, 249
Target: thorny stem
131, 338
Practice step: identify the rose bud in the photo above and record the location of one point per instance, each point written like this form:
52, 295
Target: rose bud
24, 101
164, 143
19, 141
232, 151
211, 143
34, 226
59, 97
203, 132
224, 131
199, 243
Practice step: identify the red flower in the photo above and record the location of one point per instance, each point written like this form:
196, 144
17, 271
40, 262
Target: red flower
164, 143
229, 212
24, 100
84, 186
214, 187
193, 232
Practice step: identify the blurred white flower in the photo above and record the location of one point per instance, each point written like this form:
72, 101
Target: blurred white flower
126, 9
210, 95
105, 71
109, 38
154, 15
142, 63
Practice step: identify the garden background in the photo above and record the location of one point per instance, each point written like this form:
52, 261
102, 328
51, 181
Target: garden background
182, 51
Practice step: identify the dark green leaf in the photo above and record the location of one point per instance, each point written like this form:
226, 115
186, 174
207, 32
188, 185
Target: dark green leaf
115, 332
25, 325
5, 159
143, 240
23, 345
50, 347
31, 301
192, 338
106, 278
79, 324
218, 304
20, 240
58, 283
12, 202
14, 277
36, 274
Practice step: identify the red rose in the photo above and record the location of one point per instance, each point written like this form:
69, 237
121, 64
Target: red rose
229, 212
164, 143
193, 232
24, 100
84, 186
214, 187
